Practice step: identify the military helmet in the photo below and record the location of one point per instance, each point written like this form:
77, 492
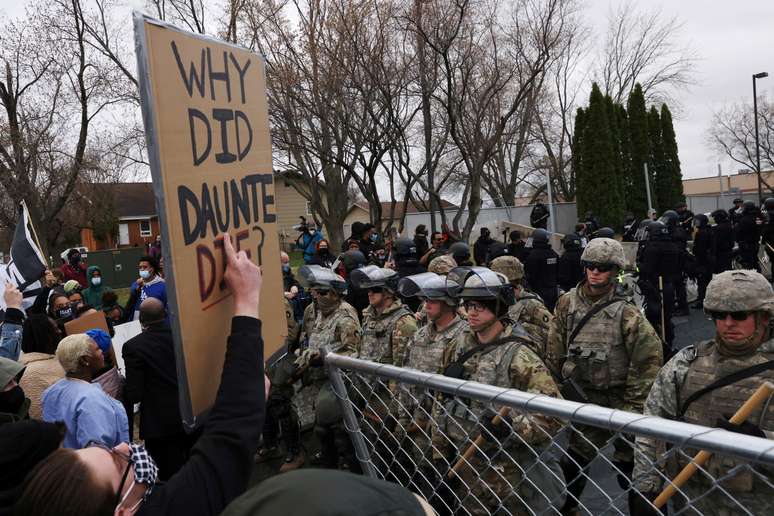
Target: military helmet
749, 207
657, 230
479, 283
604, 233
739, 291
496, 250
374, 276
719, 216
508, 266
604, 250
681, 204
572, 241
540, 236
768, 204
700, 220
460, 251
404, 247
353, 260
315, 276
427, 285
670, 218
442, 264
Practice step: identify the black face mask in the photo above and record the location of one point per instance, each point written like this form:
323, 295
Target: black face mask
75, 259
65, 313
11, 400
323, 252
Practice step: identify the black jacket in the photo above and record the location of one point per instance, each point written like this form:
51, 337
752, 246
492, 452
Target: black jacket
151, 380
703, 251
659, 258
481, 249
746, 231
222, 459
723, 246
519, 250
569, 269
540, 270
422, 246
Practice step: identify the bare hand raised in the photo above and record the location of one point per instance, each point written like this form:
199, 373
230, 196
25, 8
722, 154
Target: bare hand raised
12, 296
244, 278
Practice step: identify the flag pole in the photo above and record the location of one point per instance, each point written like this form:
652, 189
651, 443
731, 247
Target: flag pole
35, 234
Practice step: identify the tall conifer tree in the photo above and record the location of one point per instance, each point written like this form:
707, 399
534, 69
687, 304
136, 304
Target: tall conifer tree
672, 175
639, 150
656, 162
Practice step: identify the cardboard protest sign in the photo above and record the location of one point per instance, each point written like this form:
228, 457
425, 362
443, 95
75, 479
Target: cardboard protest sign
93, 321
206, 120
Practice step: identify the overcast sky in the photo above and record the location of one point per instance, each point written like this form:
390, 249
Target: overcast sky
732, 39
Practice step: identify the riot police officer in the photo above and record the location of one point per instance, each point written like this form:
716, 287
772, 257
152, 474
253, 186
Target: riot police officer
767, 230
679, 236
684, 215
703, 255
336, 328
407, 264
658, 266
569, 269
723, 240
460, 251
540, 268
351, 261
747, 236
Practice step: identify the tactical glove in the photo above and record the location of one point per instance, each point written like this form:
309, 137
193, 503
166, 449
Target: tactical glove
495, 431
745, 427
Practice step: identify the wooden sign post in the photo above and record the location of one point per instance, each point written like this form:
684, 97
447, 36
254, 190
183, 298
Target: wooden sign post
205, 111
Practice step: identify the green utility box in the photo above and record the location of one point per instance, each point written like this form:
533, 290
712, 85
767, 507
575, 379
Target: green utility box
119, 266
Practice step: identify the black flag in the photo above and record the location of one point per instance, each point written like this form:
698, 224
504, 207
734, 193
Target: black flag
27, 264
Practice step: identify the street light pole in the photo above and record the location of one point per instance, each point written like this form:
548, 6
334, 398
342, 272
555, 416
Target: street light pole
755, 76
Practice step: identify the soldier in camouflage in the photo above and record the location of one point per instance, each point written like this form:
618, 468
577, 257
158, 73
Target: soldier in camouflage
528, 310
425, 352
281, 415
607, 353
741, 303
495, 353
336, 329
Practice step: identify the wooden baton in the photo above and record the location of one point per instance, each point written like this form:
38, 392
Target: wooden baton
477, 444
753, 402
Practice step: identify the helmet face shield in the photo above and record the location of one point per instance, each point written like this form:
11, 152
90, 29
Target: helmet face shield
374, 276
478, 283
427, 285
315, 276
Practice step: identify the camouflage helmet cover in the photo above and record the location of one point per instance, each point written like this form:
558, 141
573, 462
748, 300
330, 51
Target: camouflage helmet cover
508, 266
442, 264
739, 291
604, 250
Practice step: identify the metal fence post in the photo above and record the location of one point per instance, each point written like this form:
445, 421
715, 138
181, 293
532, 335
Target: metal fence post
350, 421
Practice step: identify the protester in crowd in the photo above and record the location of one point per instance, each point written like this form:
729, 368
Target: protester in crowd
113, 311
93, 294
328, 493
89, 413
13, 322
289, 283
59, 308
481, 246
155, 249
322, 255
307, 240
569, 269
436, 249
59, 278
723, 241
591, 223
517, 246
151, 381
109, 378
420, 240
71, 287
540, 268
75, 268
42, 368
538, 218
22, 446
685, 215
220, 463
367, 241
149, 284
735, 212
449, 236
356, 229
704, 260
76, 299
14, 405
460, 251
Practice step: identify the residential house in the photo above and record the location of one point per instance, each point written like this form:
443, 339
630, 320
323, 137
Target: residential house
360, 212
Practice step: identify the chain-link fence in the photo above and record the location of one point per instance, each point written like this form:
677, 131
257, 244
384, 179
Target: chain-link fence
471, 448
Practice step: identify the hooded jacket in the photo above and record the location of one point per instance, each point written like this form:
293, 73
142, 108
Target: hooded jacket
93, 295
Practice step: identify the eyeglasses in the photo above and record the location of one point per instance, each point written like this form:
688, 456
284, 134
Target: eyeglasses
737, 316
472, 306
600, 267
116, 453
375, 290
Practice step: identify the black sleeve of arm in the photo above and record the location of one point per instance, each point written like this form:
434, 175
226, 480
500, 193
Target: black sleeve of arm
135, 375
221, 461
129, 308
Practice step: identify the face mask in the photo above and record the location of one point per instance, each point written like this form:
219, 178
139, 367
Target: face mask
75, 259
96, 281
323, 251
327, 303
145, 274
65, 313
11, 400
286, 268
374, 237
145, 472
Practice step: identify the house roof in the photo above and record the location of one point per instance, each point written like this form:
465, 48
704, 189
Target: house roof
414, 206
132, 200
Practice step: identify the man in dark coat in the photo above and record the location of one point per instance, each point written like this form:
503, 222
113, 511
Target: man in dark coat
702, 252
569, 269
517, 247
151, 380
539, 216
747, 235
722, 241
481, 246
540, 268
767, 229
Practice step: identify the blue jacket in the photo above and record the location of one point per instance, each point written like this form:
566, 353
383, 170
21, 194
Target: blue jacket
308, 244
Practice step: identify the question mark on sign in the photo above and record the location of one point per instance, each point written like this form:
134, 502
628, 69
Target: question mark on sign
260, 244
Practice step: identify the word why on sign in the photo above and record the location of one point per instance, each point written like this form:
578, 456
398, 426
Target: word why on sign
201, 80
213, 208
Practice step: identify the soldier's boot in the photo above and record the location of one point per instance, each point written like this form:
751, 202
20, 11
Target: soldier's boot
291, 435
328, 456
575, 468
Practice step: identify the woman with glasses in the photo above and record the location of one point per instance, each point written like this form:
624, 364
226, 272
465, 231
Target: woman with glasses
604, 345
104, 478
704, 385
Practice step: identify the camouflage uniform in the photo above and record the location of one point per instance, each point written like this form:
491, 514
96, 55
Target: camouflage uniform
386, 334
494, 482
690, 370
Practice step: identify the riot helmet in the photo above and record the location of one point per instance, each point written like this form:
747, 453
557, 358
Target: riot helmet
642, 232
749, 207
540, 236
572, 242
427, 285
373, 276
405, 247
317, 277
482, 284
670, 218
604, 233
657, 230
496, 250
353, 260
460, 251
768, 204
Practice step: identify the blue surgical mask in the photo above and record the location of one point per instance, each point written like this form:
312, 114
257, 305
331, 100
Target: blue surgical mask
285, 268
374, 237
96, 281
145, 274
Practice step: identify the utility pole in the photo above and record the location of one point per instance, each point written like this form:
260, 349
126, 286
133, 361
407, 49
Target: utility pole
760, 75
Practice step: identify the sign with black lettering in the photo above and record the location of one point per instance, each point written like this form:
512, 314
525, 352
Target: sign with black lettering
206, 120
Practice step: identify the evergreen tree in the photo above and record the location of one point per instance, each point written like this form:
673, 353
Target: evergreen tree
577, 153
625, 144
639, 150
672, 176
656, 162
616, 180
599, 189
